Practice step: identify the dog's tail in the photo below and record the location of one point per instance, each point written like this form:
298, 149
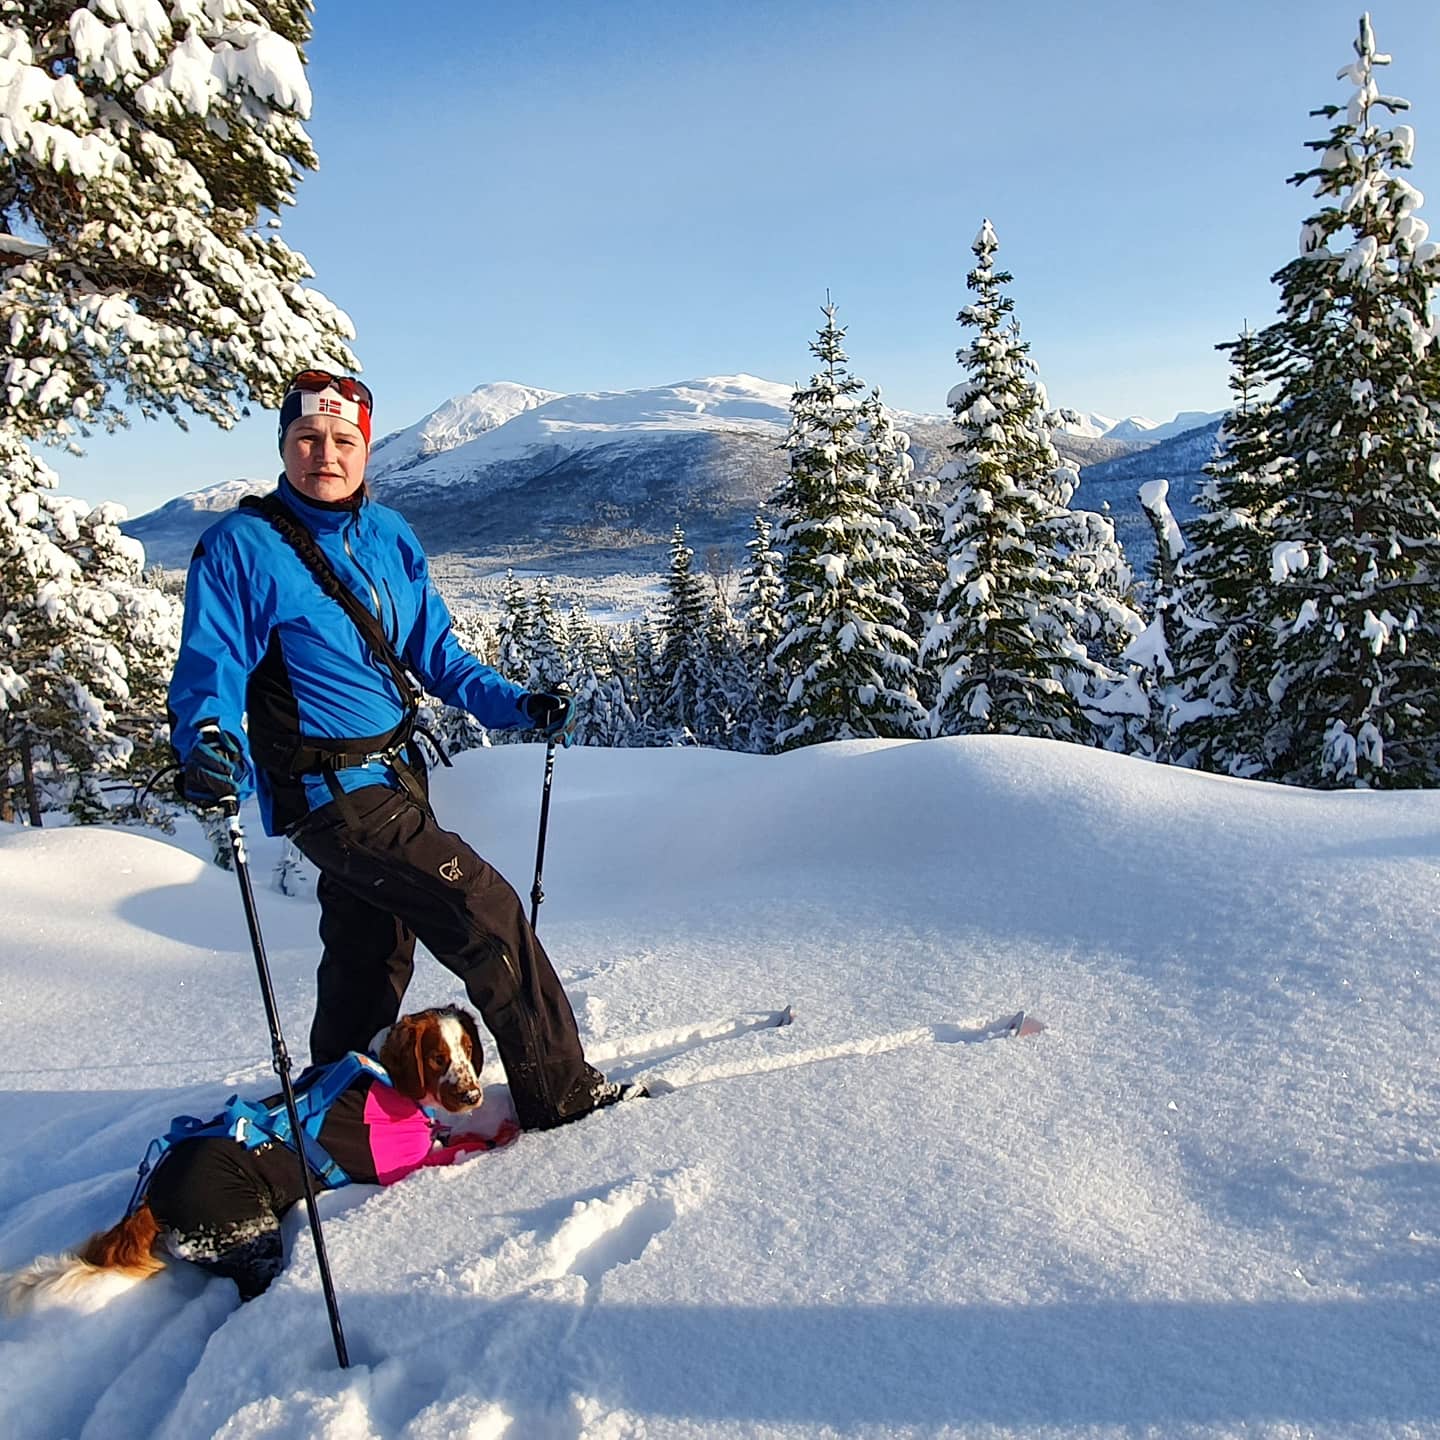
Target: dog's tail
126, 1250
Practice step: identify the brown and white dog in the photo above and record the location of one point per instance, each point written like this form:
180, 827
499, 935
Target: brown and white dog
378, 1134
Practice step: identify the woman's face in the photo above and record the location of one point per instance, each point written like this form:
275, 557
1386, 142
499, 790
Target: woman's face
324, 457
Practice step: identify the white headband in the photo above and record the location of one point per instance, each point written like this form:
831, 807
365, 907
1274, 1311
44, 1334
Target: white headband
330, 402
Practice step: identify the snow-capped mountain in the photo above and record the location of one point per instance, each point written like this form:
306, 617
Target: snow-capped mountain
1182, 424
1088, 425
458, 421
510, 474
741, 404
169, 533
1133, 427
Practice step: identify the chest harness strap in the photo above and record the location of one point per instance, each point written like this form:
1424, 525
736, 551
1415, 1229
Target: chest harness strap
311, 756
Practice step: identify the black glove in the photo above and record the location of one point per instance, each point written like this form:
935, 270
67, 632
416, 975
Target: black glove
214, 768
552, 715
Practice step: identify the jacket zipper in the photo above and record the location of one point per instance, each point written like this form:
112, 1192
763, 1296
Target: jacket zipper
393, 629
364, 573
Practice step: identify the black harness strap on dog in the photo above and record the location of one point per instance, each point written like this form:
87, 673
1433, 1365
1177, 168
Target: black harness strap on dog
312, 756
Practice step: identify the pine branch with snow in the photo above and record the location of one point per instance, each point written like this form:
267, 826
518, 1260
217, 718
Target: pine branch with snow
140, 146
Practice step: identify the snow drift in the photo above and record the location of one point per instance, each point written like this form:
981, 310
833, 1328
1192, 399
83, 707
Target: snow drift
1201, 1202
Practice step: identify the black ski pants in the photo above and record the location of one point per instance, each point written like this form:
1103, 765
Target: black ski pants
390, 873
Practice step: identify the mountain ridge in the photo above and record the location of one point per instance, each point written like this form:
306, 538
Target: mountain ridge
510, 474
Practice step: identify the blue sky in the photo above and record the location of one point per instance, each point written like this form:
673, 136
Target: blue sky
605, 196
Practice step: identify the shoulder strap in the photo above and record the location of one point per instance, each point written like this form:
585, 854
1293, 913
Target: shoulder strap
272, 508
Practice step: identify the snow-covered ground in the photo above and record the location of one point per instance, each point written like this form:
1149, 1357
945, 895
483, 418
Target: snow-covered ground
1205, 1201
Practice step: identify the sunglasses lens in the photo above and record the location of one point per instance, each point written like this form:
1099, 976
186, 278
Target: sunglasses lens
356, 390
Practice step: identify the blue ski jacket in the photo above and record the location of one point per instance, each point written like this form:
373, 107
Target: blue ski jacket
262, 640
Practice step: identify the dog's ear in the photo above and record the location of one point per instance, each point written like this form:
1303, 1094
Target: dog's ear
468, 1025
421, 1027
399, 1054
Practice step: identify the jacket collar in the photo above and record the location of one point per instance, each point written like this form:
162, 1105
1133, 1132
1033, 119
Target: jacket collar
322, 515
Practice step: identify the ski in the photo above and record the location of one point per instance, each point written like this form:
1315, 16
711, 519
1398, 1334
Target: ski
1016, 1026
668, 1044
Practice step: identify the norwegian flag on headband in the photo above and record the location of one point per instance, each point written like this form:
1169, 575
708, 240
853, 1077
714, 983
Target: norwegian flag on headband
330, 402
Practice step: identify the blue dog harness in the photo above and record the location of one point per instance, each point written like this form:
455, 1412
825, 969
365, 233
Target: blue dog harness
253, 1124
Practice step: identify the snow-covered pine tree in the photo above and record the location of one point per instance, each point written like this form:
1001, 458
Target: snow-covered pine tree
85, 644
145, 631
761, 627
684, 676
845, 647
1353, 607
140, 146
1008, 637
908, 502
1221, 641
601, 715
730, 715
544, 640
635, 654
293, 874
512, 654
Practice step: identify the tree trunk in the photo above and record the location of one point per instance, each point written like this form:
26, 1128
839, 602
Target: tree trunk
27, 768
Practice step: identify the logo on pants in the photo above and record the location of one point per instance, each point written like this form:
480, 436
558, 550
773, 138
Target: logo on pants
450, 870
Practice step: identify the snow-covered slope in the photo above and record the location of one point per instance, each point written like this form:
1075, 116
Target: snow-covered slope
1201, 1203
458, 421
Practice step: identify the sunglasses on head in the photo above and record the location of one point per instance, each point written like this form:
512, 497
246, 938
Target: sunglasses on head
346, 385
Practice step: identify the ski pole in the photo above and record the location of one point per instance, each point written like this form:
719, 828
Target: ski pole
537, 891
280, 1059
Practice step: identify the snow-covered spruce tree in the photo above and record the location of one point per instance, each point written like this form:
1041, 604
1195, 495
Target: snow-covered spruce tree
761, 626
141, 142
602, 715
1008, 638
1352, 601
845, 648
908, 502
544, 641
85, 645
512, 656
684, 678
1221, 639
731, 714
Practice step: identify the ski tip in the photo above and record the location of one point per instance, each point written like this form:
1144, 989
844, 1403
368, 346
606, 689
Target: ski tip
785, 1016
